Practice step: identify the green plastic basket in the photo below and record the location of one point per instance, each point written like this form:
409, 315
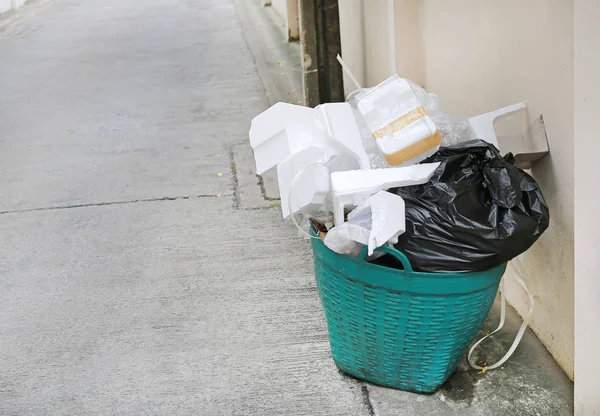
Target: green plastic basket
398, 328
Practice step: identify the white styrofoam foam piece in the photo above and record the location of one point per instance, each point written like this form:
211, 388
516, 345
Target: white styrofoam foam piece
356, 186
386, 107
387, 214
483, 124
380, 220
339, 125
303, 194
314, 179
281, 131
286, 129
311, 191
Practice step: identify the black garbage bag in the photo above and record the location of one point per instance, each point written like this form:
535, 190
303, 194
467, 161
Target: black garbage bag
477, 212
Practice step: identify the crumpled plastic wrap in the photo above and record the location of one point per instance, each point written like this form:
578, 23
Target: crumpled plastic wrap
345, 238
306, 220
454, 129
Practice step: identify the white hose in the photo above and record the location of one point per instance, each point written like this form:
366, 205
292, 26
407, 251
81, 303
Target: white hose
349, 73
522, 329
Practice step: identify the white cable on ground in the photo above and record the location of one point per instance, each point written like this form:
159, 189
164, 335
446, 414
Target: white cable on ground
522, 329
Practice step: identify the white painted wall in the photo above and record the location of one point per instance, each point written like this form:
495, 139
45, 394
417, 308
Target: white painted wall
587, 222
5, 5
479, 55
280, 6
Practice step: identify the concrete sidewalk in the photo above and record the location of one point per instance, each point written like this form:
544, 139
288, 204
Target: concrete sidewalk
133, 280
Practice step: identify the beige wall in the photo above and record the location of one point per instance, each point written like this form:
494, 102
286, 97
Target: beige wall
366, 51
587, 226
410, 58
482, 55
352, 40
376, 57
288, 10
293, 22
479, 55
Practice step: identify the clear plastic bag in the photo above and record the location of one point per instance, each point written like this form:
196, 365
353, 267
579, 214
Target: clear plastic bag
377, 161
304, 225
348, 238
399, 124
454, 129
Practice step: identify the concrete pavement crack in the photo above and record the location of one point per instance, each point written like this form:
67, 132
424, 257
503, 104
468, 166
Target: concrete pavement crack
101, 204
367, 400
234, 180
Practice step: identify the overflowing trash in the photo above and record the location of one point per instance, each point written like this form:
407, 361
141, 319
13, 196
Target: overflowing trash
389, 179
465, 206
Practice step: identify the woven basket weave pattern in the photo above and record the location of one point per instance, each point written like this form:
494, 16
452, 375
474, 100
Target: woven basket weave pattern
397, 338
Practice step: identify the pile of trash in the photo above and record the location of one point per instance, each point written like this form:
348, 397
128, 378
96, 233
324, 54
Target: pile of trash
391, 167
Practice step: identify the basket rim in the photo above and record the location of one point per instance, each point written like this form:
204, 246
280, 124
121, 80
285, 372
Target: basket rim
399, 280
361, 261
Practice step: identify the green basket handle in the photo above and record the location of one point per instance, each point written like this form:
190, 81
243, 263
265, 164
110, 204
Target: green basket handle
390, 250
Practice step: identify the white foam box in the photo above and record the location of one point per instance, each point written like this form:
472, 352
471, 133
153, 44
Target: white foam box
528, 147
281, 131
354, 187
339, 125
310, 190
388, 220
